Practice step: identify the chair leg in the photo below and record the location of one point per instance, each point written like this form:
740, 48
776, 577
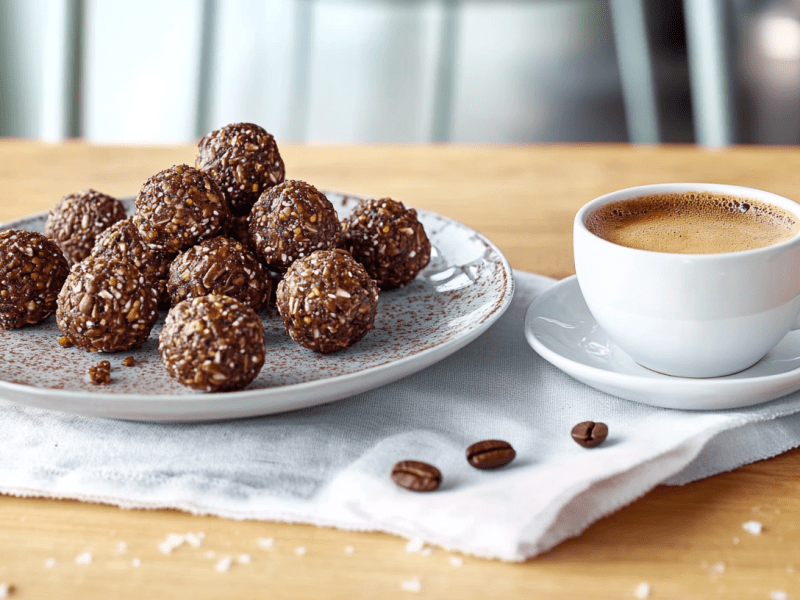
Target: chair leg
636, 70
709, 71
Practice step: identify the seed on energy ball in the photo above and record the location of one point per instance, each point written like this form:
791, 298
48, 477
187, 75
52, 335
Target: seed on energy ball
590, 434
290, 221
178, 208
220, 266
490, 454
212, 343
122, 242
327, 301
77, 219
32, 271
100, 374
416, 476
106, 305
388, 239
244, 160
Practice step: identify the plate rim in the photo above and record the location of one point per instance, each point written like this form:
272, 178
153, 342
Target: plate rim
374, 376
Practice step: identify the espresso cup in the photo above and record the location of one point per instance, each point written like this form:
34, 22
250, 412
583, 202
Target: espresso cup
704, 310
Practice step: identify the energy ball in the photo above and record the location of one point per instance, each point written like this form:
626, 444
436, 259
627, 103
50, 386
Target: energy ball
244, 160
220, 266
32, 271
122, 242
77, 219
212, 343
290, 221
236, 228
106, 305
386, 237
327, 301
178, 208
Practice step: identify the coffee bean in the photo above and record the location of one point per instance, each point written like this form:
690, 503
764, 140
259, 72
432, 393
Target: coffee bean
490, 454
590, 434
416, 476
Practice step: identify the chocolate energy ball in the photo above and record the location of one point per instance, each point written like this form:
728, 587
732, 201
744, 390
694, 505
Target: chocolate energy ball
32, 271
212, 343
386, 237
77, 219
290, 221
106, 305
178, 208
236, 228
327, 301
244, 160
220, 266
122, 242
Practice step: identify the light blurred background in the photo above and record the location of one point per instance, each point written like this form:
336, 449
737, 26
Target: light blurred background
713, 72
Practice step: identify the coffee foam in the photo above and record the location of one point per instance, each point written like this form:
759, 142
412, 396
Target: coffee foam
692, 223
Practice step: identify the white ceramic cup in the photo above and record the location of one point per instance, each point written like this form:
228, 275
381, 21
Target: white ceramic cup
690, 315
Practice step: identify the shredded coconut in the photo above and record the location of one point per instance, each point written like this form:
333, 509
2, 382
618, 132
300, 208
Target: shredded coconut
300, 550
349, 549
412, 585
50, 563
121, 547
426, 551
244, 559
414, 545
265, 542
778, 595
456, 561
83, 558
753, 527
136, 562
642, 590
5, 590
223, 565
718, 567
194, 539
173, 541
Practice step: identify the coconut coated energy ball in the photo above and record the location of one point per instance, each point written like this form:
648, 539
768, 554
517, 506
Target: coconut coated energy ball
327, 301
178, 208
236, 228
388, 239
212, 343
77, 219
244, 160
290, 221
220, 266
122, 242
106, 305
32, 271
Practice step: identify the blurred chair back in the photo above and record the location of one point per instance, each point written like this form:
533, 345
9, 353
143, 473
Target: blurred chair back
328, 70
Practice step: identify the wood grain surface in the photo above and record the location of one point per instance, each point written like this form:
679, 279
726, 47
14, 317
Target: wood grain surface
683, 542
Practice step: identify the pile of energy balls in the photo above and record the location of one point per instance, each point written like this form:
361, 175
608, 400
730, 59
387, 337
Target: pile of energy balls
213, 244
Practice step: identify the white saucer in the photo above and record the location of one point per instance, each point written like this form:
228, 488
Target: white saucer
559, 326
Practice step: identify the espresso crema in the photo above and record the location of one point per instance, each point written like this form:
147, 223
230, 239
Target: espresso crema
693, 223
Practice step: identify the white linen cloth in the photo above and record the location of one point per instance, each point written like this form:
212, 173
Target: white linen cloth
330, 465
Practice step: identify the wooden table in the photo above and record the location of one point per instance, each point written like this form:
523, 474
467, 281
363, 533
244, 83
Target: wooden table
681, 541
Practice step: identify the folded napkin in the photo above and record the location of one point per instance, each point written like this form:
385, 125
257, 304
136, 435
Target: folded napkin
330, 465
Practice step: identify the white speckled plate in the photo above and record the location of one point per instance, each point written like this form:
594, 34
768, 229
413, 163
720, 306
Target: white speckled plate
465, 288
559, 326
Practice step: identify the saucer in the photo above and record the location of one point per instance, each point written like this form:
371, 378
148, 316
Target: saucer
559, 326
